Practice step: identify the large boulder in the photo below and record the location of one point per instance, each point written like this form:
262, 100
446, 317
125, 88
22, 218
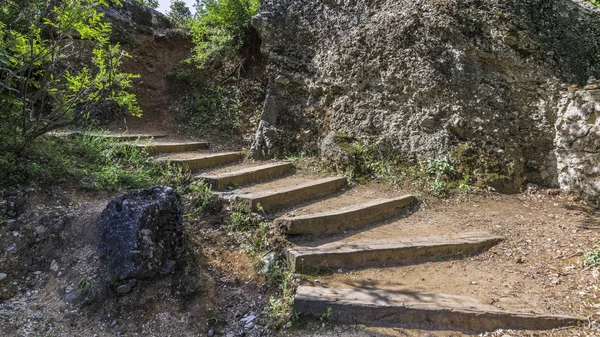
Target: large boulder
419, 78
578, 142
141, 233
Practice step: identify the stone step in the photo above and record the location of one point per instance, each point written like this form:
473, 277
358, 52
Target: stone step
270, 201
338, 220
248, 175
389, 251
410, 309
199, 161
171, 147
128, 137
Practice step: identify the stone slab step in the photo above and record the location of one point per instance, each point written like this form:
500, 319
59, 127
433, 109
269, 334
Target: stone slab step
248, 175
418, 310
170, 147
128, 137
201, 161
388, 251
329, 222
272, 200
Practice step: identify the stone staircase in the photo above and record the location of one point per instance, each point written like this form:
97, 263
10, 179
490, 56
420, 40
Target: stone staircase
275, 186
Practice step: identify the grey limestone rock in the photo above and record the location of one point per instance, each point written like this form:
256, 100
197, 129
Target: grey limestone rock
141, 233
577, 142
418, 77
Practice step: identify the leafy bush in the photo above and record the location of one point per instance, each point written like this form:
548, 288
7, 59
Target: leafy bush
220, 28
212, 108
42, 89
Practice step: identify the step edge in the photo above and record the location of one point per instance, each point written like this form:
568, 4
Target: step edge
349, 209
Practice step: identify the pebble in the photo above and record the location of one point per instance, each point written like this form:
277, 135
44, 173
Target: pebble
287, 325
70, 297
54, 266
211, 332
3, 276
124, 288
38, 315
11, 249
41, 230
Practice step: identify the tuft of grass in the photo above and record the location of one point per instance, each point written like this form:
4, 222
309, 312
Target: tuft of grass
202, 198
591, 259
279, 309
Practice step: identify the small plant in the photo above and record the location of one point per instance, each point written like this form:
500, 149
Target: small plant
85, 283
238, 219
202, 198
438, 188
327, 314
440, 167
280, 308
465, 184
188, 268
591, 259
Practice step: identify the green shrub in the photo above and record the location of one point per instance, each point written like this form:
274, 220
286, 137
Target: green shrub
212, 108
42, 88
220, 28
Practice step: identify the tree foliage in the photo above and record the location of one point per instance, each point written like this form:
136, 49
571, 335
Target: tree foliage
42, 87
220, 27
149, 3
179, 13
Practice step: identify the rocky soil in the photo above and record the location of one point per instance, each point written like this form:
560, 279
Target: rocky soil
54, 282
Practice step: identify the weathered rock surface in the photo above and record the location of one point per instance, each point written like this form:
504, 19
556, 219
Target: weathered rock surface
418, 77
578, 142
132, 18
141, 233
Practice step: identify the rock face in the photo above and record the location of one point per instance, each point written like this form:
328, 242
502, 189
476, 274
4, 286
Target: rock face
131, 18
141, 233
578, 142
420, 77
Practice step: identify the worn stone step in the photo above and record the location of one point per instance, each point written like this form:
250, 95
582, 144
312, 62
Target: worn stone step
199, 161
247, 175
270, 201
410, 309
128, 137
171, 147
388, 251
334, 221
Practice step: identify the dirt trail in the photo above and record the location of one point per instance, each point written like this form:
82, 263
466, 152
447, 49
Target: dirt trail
153, 59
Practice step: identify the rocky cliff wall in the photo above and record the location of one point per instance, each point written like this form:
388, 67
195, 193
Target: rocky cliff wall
578, 142
420, 77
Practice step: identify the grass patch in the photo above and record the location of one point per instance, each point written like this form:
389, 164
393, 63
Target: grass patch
95, 163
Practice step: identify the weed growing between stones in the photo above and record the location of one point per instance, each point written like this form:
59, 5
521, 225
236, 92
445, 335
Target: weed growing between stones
201, 198
264, 242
